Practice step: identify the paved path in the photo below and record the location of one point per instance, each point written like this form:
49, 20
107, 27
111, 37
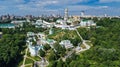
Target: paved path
69, 53
31, 58
25, 56
79, 34
83, 42
43, 62
28, 64
78, 51
23, 65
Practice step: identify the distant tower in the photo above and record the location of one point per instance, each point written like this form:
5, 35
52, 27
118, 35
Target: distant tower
105, 15
82, 13
66, 14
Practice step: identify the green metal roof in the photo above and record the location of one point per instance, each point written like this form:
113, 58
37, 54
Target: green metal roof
6, 25
50, 40
85, 20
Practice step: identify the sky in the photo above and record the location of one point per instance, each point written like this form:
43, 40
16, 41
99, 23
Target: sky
48, 7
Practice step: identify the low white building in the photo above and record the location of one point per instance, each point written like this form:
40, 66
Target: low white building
62, 26
39, 22
18, 22
78, 48
42, 23
85, 23
66, 43
60, 21
70, 21
41, 35
34, 50
65, 24
29, 34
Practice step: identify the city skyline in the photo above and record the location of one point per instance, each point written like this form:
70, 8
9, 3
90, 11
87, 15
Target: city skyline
39, 7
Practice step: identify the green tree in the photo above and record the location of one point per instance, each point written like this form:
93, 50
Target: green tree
60, 63
42, 53
52, 56
60, 50
47, 47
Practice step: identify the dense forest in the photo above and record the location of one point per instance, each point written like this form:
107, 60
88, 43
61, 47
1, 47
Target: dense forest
11, 45
104, 51
106, 44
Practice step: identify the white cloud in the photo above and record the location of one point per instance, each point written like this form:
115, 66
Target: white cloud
39, 3
5, 2
44, 3
58, 2
42, 6
85, 7
107, 1
28, 8
2, 7
103, 7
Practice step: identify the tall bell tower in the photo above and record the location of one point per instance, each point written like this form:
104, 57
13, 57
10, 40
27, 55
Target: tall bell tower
66, 14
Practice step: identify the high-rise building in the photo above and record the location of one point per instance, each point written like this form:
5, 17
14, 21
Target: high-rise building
82, 13
66, 14
105, 15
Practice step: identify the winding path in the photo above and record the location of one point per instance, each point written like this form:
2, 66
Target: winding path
23, 65
43, 62
83, 42
25, 56
78, 51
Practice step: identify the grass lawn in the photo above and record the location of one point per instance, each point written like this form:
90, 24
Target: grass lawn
89, 43
36, 58
23, 52
47, 55
83, 46
21, 62
28, 66
28, 61
63, 34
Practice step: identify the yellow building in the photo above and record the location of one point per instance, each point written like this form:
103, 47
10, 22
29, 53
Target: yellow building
76, 18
